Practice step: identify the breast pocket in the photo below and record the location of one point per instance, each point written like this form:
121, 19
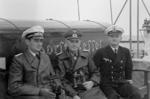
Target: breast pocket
30, 74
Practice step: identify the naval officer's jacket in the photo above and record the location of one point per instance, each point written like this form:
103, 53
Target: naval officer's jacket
74, 73
28, 74
114, 68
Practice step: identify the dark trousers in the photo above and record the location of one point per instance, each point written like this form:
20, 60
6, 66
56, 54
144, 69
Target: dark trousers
117, 90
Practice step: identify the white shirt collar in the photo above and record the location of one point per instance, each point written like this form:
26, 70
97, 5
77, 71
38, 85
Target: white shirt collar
114, 48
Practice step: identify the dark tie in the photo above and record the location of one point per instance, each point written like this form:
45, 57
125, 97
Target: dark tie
115, 51
38, 56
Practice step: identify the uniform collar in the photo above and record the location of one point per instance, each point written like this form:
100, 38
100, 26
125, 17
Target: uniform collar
30, 57
71, 53
34, 54
114, 48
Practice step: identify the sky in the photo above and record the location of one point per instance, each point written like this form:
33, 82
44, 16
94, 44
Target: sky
96, 10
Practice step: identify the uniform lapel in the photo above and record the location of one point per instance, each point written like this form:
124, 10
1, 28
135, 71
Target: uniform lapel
110, 53
119, 55
42, 64
67, 64
81, 61
66, 60
45, 64
32, 60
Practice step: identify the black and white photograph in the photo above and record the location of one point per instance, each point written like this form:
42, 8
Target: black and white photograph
74, 49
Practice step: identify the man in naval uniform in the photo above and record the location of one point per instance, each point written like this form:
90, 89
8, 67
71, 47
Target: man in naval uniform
77, 70
31, 72
115, 66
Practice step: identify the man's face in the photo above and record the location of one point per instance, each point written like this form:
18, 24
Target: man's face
35, 44
73, 44
114, 39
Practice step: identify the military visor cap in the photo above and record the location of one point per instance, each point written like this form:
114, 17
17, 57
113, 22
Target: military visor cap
73, 33
114, 29
35, 31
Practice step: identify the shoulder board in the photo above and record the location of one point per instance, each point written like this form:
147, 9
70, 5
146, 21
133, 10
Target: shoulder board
57, 54
85, 53
18, 54
61, 55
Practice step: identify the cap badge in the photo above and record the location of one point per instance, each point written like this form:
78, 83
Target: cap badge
75, 35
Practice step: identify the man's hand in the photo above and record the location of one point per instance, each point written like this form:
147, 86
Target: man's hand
46, 92
76, 97
88, 85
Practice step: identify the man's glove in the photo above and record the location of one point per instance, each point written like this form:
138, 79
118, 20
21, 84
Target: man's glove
47, 93
88, 85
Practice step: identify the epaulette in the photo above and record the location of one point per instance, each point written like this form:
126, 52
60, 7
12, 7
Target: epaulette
62, 56
84, 53
18, 54
57, 54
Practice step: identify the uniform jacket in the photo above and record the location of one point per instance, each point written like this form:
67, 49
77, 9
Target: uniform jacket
114, 68
67, 68
27, 75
